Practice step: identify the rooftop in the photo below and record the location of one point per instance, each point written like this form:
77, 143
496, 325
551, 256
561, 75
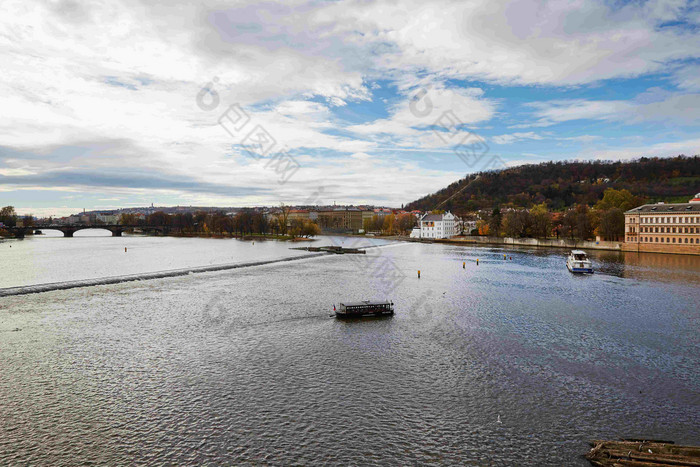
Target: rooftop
666, 208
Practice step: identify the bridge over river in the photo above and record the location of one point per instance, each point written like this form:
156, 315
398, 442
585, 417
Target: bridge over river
69, 229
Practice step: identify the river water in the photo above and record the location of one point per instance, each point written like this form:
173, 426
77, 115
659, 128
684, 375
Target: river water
511, 362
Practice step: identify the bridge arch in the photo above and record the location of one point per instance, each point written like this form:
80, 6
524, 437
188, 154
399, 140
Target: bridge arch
94, 227
51, 229
69, 230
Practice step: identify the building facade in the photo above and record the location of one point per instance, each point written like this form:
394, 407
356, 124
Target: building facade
438, 225
664, 228
300, 214
107, 218
340, 220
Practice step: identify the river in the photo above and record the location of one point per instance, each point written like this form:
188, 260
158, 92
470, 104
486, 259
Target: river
511, 362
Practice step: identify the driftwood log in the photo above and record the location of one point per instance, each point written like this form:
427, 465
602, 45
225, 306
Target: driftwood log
642, 453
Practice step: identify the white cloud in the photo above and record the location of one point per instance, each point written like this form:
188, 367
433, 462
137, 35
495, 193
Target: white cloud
528, 42
677, 108
513, 137
665, 149
688, 78
426, 107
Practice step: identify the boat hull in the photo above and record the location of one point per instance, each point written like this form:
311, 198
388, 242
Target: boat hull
340, 315
579, 270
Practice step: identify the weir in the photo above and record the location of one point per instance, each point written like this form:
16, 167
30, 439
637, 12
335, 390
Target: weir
30, 289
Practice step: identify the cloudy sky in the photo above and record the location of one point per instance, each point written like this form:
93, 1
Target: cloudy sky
127, 103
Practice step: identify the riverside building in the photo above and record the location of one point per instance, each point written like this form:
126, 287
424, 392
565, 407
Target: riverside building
438, 225
664, 228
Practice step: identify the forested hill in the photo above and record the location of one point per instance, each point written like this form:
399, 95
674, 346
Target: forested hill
564, 184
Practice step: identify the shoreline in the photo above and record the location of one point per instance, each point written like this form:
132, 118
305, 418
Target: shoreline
554, 243
684, 250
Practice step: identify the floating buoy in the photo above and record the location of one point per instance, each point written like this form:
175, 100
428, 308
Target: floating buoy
419, 274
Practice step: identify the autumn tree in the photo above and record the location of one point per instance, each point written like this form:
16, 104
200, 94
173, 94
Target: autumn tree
8, 216
517, 223
158, 218
200, 221
495, 222
568, 224
482, 227
282, 218
406, 222
620, 199
310, 229
128, 219
541, 221
274, 226
389, 224
584, 224
182, 221
259, 223
612, 224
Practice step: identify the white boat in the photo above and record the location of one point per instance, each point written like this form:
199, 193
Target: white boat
578, 262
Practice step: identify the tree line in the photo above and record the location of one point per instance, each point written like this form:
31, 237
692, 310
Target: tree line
246, 222
390, 224
606, 219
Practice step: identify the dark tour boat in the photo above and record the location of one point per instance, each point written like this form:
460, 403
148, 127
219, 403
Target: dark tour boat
364, 308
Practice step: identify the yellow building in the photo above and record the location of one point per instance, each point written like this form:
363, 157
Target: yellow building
340, 220
302, 214
664, 228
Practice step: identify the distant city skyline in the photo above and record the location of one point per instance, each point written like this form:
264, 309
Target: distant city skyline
118, 104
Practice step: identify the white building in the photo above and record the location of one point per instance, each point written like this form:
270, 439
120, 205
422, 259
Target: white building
107, 218
438, 225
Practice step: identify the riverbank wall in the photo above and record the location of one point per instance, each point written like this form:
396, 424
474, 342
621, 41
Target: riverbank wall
534, 242
572, 244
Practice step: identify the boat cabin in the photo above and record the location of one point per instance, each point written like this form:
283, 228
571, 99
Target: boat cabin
364, 308
579, 255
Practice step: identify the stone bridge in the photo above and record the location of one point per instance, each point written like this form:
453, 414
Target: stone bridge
69, 230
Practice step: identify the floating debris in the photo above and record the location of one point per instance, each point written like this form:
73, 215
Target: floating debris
639, 452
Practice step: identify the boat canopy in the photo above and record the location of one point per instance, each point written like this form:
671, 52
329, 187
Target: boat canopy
366, 303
